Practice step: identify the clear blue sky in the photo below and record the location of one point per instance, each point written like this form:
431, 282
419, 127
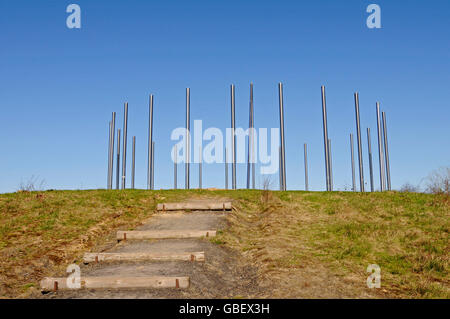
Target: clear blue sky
59, 86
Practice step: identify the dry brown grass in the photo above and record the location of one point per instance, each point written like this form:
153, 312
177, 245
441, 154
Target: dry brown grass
320, 244
42, 232
305, 244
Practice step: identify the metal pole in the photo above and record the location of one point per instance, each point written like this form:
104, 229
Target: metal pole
306, 166
133, 162
353, 163
200, 168
253, 164
188, 135
175, 168
280, 174
153, 165
109, 157
330, 164
252, 117
113, 131
358, 137
380, 149
253, 142
124, 151
150, 140
118, 159
283, 153
369, 147
233, 137
386, 152
250, 135
325, 137
226, 168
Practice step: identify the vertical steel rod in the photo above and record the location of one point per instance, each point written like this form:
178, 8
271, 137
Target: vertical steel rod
283, 146
325, 137
200, 168
250, 140
226, 168
305, 152
108, 186
124, 151
253, 164
380, 149
113, 134
233, 137
253, 159
175, 163
330, 164
369, 147
358, 137
386, 152
118, 160
280, 169
133, 162
353, 163
153, 166
150, 140
188, 137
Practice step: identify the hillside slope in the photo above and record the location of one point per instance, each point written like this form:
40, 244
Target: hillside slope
305, 244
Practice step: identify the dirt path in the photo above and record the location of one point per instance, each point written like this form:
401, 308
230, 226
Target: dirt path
222, 275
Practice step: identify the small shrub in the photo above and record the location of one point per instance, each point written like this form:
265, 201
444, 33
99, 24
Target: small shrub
409, 188
266, 194
33, 184
439, 181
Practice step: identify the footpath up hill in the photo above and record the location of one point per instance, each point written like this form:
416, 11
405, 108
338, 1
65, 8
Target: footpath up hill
294, 244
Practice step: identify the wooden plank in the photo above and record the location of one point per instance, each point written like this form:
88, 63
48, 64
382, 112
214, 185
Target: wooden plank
114, 282
194, 206
185, 256
164, 234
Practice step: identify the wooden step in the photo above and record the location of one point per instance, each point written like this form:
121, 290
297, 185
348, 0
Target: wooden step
164, 234
194, 206
114, 282
186, 256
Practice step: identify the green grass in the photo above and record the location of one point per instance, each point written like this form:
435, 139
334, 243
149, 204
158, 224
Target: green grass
40, 231
407, 234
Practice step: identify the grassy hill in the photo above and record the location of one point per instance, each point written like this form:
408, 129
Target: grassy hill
300, 241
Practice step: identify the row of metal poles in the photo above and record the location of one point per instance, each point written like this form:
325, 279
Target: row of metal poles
251, 144
151, 147
112, 134
385, 179
383, 150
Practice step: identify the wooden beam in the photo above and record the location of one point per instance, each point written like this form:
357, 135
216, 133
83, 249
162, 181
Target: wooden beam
164, 234
186, 256
194, 206
114, 282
